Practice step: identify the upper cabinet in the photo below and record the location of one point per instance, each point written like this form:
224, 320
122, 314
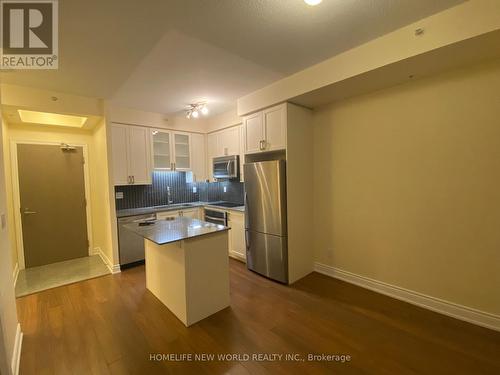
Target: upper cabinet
162, 157
228, 142
171, 150
223, 143
265, 130
131, 155
199, 158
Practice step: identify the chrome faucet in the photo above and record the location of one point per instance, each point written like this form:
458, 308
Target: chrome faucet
169, 196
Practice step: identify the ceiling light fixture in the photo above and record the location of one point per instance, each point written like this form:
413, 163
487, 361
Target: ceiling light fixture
194, 110
312, 2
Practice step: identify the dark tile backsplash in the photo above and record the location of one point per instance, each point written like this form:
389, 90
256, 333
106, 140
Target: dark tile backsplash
136, 196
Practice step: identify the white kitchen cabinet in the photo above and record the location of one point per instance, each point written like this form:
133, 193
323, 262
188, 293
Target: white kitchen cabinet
162, 154
237, 246
211, 153
223, 143
266, 130
274, 128
131, 152
167, 214
254, 132
182, 151
242, 152
171, 150
193, 213
228, 141
199, 161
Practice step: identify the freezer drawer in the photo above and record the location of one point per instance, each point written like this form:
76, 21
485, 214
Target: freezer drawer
267, 255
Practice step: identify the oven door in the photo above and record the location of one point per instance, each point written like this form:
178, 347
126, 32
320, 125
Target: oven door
216, 217
226, 167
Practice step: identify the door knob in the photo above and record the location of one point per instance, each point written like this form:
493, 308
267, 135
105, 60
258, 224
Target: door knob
28, 212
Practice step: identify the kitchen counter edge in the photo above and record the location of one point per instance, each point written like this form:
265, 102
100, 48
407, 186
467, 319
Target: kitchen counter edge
173, 207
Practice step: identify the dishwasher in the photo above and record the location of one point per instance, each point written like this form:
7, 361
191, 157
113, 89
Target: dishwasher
131, 245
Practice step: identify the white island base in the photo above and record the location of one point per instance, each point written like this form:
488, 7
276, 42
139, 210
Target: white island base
190, 276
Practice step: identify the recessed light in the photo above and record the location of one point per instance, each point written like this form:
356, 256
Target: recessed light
312, 2
195, 114
204, 110
46, 118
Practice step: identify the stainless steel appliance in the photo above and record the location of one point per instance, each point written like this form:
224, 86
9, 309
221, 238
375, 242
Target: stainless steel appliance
216, 216
266, 219
226, 167
225, 204
131, 246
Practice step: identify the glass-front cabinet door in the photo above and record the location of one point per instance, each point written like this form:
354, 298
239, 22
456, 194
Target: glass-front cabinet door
162, 156
182, 152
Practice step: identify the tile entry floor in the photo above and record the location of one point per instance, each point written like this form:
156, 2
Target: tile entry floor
36, 279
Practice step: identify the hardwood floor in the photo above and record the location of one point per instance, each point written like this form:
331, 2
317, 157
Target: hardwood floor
112, 324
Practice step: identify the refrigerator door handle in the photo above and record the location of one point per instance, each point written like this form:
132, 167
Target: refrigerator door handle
247, 240
246, 210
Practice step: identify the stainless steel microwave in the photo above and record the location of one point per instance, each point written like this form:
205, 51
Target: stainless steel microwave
226, 167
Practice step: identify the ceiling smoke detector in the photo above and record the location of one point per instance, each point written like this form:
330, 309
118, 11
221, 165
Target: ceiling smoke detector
194, 110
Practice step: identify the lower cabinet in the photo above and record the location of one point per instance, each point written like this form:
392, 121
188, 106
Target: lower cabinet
193, 213
236, 221
237, 247
167, 214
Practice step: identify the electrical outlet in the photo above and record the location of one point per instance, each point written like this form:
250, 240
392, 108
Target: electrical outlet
119, 195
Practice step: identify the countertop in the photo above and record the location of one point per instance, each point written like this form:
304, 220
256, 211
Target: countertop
181, 228
174, 207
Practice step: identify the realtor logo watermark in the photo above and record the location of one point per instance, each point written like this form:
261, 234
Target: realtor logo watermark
29, 34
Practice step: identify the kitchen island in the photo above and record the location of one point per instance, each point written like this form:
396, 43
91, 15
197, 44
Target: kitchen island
187, 266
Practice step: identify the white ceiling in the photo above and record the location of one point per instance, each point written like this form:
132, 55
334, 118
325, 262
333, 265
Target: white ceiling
159, 55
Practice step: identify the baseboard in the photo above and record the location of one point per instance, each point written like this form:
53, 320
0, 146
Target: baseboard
15, 274
16, 354
454, 310
113, 268
237, 256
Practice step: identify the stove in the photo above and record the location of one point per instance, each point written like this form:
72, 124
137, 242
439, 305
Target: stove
226, 204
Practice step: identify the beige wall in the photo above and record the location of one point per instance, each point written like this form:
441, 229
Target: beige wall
8, 191
99, 194
453, 25
97, 154
155, 120
223, 120
8, 312
406, 184
42, 100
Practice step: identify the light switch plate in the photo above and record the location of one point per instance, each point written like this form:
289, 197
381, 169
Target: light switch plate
225, 189
119, 195
195, 189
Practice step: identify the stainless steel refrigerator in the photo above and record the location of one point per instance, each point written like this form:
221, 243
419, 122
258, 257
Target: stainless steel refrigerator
265, 219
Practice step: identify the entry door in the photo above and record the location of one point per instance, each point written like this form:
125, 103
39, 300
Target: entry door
53, 208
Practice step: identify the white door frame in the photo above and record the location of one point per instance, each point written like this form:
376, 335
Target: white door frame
17, 197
